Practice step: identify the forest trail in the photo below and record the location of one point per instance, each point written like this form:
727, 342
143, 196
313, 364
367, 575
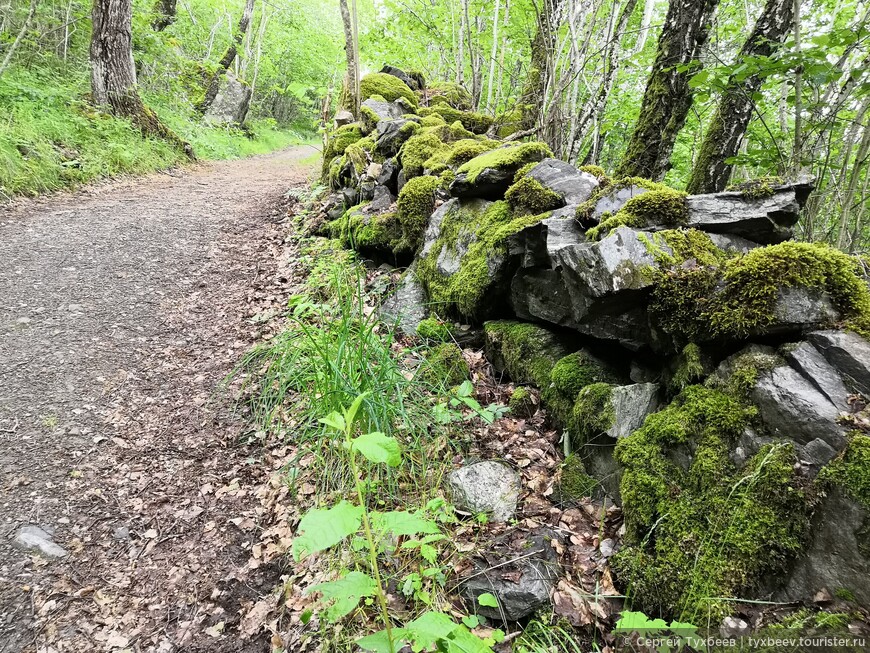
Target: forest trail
122, 307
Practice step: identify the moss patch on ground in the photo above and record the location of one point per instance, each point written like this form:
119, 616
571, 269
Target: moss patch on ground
434, 330
521, 403
575, 484
444, 366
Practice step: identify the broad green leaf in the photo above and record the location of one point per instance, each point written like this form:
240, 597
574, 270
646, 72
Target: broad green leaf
334, 420
428, 628
378, 448
471, 621
463, 640
401, 522
320, 529
350, 413
638, 621
487, 600
344, 594
379, 643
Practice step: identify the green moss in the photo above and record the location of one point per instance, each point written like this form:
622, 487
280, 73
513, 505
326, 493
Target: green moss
530, 196
575, 484
686, 245
521, 403
444, 366
388, 87
509, 123
476, 123
575, 371
486, 232
456, 95
592, 413
456, 154
758, 188
504, 158
851, 471
527, 352
699, 535
690, 368
599, 173
417, 150
585, 210
522, 172
338, 142
415, 206
433, 329
432, 120
655, 207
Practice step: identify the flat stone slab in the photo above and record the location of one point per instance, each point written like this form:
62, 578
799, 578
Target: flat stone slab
36, 540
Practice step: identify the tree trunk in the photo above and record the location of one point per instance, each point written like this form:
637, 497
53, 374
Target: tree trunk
228, 58
492, 56
798, 96
113, 72
460, 56
725, 133
532, 99
644, 26
12, 48
668, 97
349, 97
165, 10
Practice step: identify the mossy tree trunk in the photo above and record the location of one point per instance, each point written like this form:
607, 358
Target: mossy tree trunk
350, 99
113, 72
532, 99
668, 97
228, 58
165, 14
728, 127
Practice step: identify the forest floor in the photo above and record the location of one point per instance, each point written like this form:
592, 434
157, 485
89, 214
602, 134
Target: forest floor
122, 307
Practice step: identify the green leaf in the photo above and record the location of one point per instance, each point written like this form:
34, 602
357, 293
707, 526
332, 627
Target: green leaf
334, 420
472, 621
429, 627
344, 594
378, 448
320, 529
379, 643
463, 640
639, 621
350, 413
401, 522
487, 600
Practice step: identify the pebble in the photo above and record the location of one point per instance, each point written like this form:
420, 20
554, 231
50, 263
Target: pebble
35, 539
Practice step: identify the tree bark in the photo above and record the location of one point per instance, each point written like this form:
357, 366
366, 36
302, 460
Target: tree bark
228, 58
798, 95
350, 96
492, 56
645, 22
532, 98
165, 10
728, 127
668, 97
113, 72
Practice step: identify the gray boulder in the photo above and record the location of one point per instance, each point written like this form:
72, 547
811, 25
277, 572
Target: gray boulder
800, 309
343, 117
614, 200
765, 220
383, 111
486, 487
389, 175
37, 540
849, 353
574, 186
406, 307
231, 103
489, 184
522, 582
813, 366
391, 135
838, 555
732, 244
382, 199
631, 405
401, 74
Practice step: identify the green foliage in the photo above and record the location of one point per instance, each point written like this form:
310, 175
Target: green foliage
530, 196
390, 88
415, 206
512, 156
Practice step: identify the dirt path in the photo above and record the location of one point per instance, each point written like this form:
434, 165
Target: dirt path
121, 309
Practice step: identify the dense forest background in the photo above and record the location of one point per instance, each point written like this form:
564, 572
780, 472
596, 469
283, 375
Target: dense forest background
575, 69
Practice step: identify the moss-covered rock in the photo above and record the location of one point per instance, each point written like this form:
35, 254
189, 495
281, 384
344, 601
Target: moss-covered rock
758, 188
378, 234
526, 352
476, 123
434, 330
419, 149
455, 95
599, 173
508, 158
701, 532
528, 195
444, 366
592, 413
522, 403
850, 473
415, 206
690, 367
468, 263
386, 86
655, 207
337, 142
